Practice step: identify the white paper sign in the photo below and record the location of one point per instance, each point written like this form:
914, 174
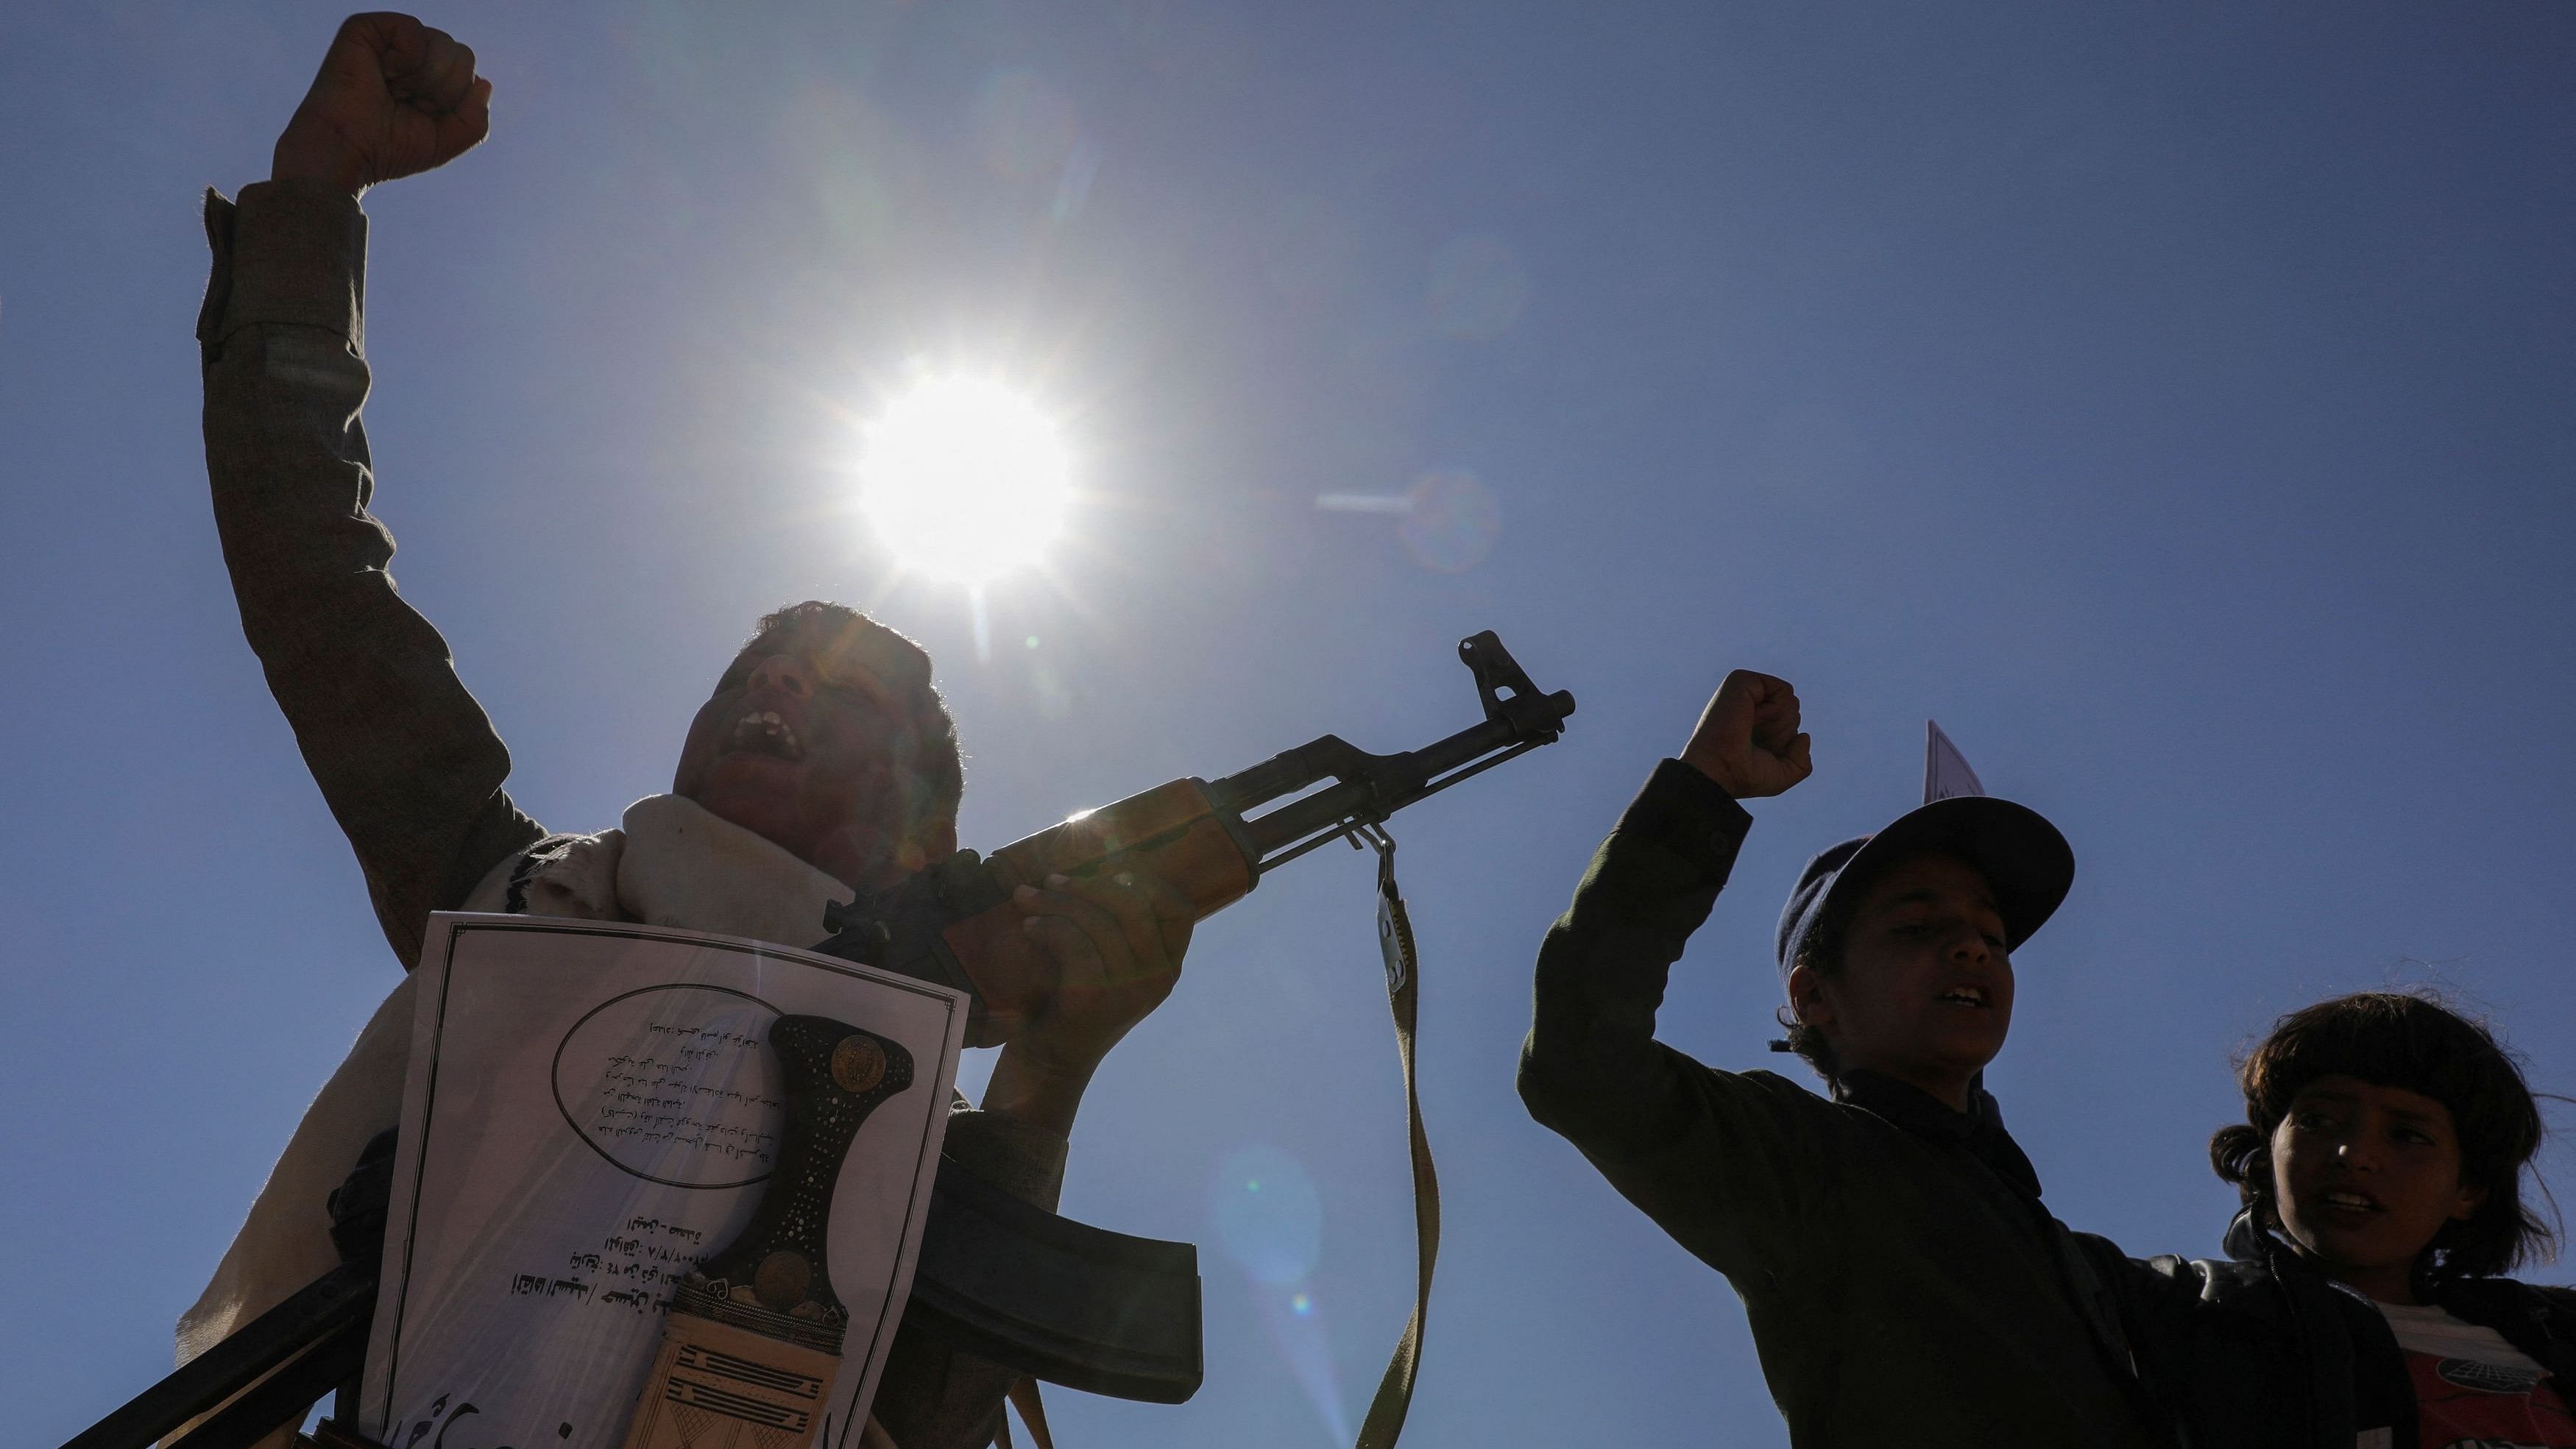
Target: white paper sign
1945, 770
592, 1108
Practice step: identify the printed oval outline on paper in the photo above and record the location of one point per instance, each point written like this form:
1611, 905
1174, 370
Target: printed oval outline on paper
646, 1054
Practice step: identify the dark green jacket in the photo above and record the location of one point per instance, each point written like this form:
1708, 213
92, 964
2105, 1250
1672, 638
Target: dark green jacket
1904, 1284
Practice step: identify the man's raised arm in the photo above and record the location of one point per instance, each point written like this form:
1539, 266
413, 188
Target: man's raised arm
406, 759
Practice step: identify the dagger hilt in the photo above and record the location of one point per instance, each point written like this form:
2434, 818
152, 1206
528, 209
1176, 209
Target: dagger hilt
775, 1277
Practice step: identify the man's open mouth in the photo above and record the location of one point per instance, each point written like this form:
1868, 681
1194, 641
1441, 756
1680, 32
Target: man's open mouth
763, 732
2351, 1202
1963, 996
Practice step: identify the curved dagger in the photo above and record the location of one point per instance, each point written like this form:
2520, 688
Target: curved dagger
753, 1343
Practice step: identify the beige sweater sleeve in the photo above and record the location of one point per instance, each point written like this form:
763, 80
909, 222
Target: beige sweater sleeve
406, 759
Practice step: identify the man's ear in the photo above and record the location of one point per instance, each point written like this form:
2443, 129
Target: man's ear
1807, 996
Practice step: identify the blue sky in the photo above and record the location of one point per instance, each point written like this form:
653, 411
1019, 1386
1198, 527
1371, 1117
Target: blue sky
2173, 401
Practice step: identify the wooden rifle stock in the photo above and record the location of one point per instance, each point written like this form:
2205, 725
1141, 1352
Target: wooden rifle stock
952, 924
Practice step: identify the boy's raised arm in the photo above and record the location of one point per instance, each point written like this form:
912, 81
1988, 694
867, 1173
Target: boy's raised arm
1703, 1152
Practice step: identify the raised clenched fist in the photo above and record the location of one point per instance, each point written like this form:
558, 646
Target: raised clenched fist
1748, 739
394, 97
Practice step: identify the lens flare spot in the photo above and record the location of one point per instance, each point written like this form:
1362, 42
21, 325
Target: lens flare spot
1268, 1217
1450, 521
1270, 1222
965, 479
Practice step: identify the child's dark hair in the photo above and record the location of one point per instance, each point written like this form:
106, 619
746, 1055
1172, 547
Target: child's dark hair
1822, 953
2412, 1041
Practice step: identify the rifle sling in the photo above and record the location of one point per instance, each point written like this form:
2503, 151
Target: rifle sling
1394, 1397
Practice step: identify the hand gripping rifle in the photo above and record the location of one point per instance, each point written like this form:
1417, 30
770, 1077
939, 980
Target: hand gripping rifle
947, 924
1068, 1303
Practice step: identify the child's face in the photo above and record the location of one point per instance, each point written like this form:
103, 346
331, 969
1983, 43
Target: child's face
1925, 993
2366, 1176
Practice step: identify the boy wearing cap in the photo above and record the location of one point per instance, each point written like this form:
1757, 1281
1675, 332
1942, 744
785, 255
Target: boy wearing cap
1903, 1281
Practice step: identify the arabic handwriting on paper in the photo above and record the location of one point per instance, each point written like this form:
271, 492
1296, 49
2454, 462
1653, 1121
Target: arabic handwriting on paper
632, 1270
665, 1099
536, 1285
444, 1422
674, 1085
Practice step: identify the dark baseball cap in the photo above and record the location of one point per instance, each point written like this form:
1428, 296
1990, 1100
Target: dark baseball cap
2019, 853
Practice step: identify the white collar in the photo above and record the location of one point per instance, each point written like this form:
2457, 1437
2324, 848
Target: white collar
671, 863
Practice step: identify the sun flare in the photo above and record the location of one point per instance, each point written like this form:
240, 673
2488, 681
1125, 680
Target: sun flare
965, 479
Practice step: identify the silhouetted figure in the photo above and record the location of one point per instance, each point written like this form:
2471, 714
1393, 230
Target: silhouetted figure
823, 761
1904, 1283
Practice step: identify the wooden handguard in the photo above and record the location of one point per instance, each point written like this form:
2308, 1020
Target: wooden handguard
1174, 832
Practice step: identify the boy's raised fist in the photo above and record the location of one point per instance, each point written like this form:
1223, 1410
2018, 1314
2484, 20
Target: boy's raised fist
394, 97
1748, 739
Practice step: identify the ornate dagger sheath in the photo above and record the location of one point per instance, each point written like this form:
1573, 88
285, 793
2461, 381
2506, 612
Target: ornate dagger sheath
753, 1343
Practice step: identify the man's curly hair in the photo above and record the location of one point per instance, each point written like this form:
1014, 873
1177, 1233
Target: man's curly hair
2414, 1041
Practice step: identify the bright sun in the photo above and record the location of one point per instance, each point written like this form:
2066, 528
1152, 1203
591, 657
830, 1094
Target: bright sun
964, 479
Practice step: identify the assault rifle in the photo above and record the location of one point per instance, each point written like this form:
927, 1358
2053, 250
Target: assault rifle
1065, 1302
1068, 1303
947, 924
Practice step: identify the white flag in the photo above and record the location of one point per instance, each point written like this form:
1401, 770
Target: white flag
1945, 770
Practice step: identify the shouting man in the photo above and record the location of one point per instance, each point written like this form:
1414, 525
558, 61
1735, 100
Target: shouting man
1904, 1283
823, 761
